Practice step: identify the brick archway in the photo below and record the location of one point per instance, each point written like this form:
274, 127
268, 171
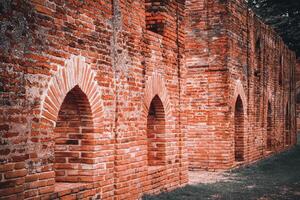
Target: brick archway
75, 72
239, 91
155, 85
156, 99
72, 111
239, 106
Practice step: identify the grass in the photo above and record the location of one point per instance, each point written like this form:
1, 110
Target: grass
277, 177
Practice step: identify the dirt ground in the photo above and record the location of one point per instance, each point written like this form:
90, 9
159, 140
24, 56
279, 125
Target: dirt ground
196, 177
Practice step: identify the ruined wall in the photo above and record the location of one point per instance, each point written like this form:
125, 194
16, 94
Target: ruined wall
77, 81
298, 94
232, 55
264, 66
114, 98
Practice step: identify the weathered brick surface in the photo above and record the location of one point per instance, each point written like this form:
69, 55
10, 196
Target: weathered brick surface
232, 56
298, 95
115, 99
77, 81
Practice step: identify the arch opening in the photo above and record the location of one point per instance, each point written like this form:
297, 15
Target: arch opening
298, 98
239, 130
298, 110
269, 127
156, 133
73, 132
287, 125
280, 81
155, 15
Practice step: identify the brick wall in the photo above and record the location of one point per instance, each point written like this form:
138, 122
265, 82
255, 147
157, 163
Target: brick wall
266, 69
115, 99
231, 56
77, 82
298, 95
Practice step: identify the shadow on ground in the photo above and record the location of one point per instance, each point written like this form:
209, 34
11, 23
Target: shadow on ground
277, 177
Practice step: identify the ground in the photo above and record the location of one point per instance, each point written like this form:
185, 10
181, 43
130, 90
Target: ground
277, 177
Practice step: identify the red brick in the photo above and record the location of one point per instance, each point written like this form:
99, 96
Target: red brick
15, 174
7, 167
46, 175
45, 190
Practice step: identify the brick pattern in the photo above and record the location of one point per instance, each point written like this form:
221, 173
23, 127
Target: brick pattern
298, 95
156, 14
85, 74
207, 88
14, 175
230, 53
76, 72
267, 66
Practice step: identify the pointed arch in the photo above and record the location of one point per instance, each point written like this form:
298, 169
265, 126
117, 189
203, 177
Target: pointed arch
239, 129
75, 72
155, 85
239, 91
157, 115
72, 117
